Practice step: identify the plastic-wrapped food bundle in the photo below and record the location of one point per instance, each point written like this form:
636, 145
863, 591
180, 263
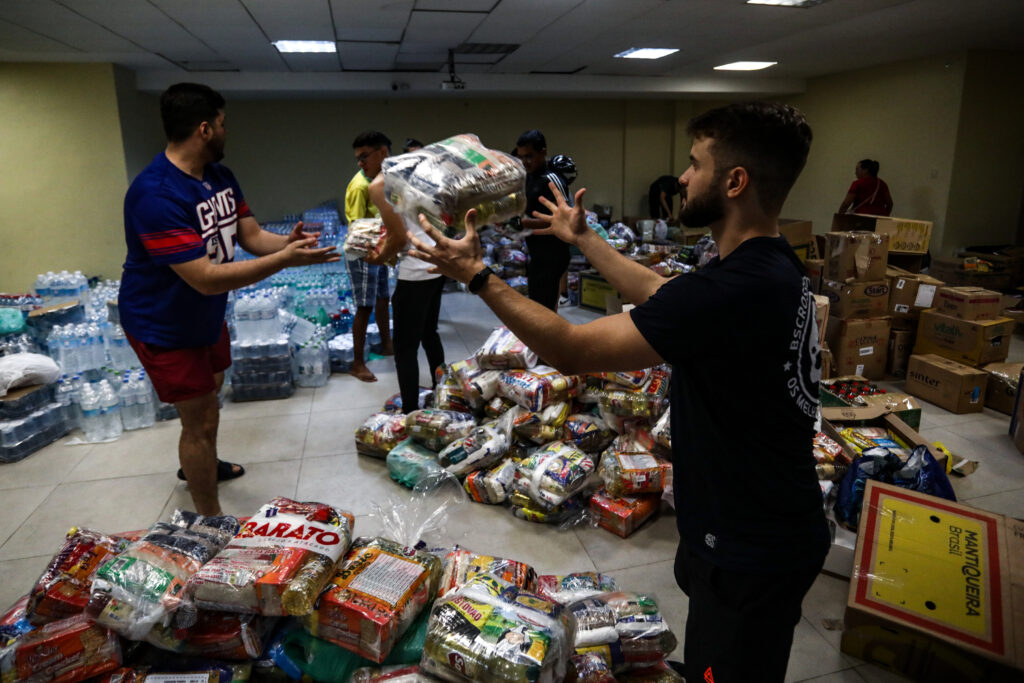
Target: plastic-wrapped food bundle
632, 473
409, 462
541, 427
481, 448
504, 351
497, 406
278, 562
435, 428
491, 486
380, 433
625, 628
464, 372
218, 635
394, 404
646, 402
589, 432
446, 179
364, 236
589, 667
398, 673
637, 439
461, 565
64, 651
553, 473
659, 673
377, 593
569, 588
144, 585
622, 516
486, 384
63, 589
493, 632
662, 430
14, 622
826, 450
633, 379
450, 395
536, 389
567, 513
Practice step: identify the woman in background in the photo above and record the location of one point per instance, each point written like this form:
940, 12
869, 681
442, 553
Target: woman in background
868, 194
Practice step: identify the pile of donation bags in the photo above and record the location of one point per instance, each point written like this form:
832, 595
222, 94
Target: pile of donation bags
552, 448
290, 594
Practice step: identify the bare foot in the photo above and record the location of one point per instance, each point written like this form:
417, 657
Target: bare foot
388, 349
362, 373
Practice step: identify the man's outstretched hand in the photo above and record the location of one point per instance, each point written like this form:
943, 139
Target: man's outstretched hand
298, 234
567, 223
459, 259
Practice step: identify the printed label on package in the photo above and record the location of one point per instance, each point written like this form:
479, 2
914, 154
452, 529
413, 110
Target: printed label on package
867, 350
925, 296
859, 370
900, 283
637, 462
902, 308
388, 578
178, 678
268, 530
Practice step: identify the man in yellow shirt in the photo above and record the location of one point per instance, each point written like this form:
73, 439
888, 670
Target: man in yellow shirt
369, 282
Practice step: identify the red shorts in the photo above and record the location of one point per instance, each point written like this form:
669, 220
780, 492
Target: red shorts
181, 374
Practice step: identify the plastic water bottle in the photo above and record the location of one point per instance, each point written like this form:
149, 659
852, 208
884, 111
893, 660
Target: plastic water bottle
67, 404
268, 316
146, 401
91, 421
110, 410
346, 321
129, 405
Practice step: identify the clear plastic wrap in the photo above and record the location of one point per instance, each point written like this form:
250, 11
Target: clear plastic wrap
363, 238
622, 516
497, 406
63, 589
481, 448
377, 593
491, 486
278, 563
217, 635
541, 427
504, 351
568, 588
554, 473
446, 179
394, 404
536, 389
461, 565
450, 395
646, 402
632, 379
380, 433
436, 428
662, 429
144, 585
409, 463
63, 651
14, 622
627, 629
485, 383
464, 372
494, 632
632, 473
590, 433
589, 667
396, 673
567, 514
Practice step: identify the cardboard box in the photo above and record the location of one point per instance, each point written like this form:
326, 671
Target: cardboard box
901, 344
799, 234
953, 272
954, 386
837, 418
972, 342
859, 345
595, 292
857, 299
901, 405
909, 294
821, 311
1003, 385
906, 235
815, 270
855, 256
969, 303
936, 589
828, 363
1017, 420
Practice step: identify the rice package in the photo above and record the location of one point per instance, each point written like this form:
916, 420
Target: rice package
536, 389
436, 428
364, 236
541, 427
409, 462
569, 588
461, 565
662, 430
63, 651
623, 516
481, 448
632, 379
632, 473
491, 486
495, 632
590, 433
63, 590
568, 511
552, 474
145, 584
278, 563
646, 402
627, 629
380, 433
504, 351
376, 594
446, 179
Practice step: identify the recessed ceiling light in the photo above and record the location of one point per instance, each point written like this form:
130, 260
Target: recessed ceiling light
786, 3
745, 66
305, 46
647, 52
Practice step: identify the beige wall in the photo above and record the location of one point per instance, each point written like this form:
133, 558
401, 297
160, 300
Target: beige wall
142, 135
62, 172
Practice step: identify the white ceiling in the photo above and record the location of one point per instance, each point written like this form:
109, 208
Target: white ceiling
400, 47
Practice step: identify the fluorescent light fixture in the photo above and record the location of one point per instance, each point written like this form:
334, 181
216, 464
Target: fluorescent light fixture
647, 52
305, 45
786, 3
745, 66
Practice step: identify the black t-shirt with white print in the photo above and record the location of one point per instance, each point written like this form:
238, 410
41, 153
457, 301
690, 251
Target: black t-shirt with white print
741, 338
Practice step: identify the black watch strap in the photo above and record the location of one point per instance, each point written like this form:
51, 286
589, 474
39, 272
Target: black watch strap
479, 280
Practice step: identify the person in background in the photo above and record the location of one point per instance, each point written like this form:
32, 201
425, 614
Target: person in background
411, 145
369, 282
549, 256
660, 197
868, 194
753, 534
183, 215
565, 168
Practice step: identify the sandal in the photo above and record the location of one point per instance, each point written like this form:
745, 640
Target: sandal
225, 471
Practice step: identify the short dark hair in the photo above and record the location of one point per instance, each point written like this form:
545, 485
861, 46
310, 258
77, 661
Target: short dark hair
870, 166
411, 142
769, 140
184, 106
534, 138
371, 138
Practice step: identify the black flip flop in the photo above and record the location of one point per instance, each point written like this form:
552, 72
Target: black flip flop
225, 471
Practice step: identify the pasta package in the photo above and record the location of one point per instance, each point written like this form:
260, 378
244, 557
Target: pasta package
63, 651
504, 351
481, 448
380, 433
536, 389
623, 516
632, 473
491, 486
632, 379
627, 629
278, 563
409, 462
552, 474
63, 589
363, 238
495, 632
590, 433
461, 565
436, 428
569, 588
376, 594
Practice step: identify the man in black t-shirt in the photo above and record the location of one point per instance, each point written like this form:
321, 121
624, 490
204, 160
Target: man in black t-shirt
660, 196
753, 534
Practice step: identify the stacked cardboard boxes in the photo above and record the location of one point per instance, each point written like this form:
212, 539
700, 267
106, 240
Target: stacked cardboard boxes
909, 295
966, 326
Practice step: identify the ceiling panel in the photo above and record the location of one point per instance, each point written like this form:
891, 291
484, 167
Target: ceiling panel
457, 5
61, 24
367, 56
294, 19
386, 23
450, 29
317, 61
15, 39
516, 21
228, 29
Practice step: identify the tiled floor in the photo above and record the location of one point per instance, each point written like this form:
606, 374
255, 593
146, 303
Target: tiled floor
303, 447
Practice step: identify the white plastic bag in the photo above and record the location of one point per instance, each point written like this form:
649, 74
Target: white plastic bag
26, 369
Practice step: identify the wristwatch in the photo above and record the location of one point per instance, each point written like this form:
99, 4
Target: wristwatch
479, 280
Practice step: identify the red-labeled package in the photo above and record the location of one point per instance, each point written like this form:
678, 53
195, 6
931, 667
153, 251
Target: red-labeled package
461, 565
63, 651
624, 515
